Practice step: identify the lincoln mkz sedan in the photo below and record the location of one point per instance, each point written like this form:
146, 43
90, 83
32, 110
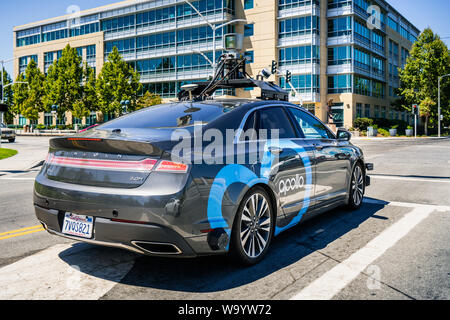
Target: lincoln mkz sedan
120, 184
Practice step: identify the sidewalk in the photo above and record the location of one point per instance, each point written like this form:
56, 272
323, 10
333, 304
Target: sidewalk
396, 138
31, 151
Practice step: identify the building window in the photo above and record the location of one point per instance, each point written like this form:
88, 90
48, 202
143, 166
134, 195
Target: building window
339, 27
362, 60
333, 4
383, 112
367, 111
91, 119
249, 55
377, 111
341, 83
359, 110
339, 55
299, 26
248, 4
248, 30
303, 83
299, 55
24, 61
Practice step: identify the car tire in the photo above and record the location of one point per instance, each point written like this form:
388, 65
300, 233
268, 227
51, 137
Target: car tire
12, 140
357, 188
252, 233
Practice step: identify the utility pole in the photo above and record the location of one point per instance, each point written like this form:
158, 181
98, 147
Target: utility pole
214, 29
2, 62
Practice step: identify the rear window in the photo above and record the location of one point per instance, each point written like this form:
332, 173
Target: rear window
168, 116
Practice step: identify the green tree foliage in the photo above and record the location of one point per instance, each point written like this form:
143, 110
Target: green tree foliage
8, 92
117, 82
147, 100
29, 99
88, 101
63, 84
429, 59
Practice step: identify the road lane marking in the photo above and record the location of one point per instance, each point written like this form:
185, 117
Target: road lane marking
22, 234
21, 230
437, 180
337, 278
65, 272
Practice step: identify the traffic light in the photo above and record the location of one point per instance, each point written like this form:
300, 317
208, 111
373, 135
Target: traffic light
288, 76
274, 67
415, 109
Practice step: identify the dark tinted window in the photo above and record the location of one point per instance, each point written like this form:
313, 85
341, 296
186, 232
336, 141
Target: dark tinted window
311, 127
272, 119
250, 128
175, 115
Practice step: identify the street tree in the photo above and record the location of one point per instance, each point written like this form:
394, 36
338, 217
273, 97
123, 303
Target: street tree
429, 59
87, 101
29, 98
8, 92
117, 82
63, 85
147, 100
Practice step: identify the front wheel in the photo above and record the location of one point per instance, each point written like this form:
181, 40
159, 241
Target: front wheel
12, 140
253, 227
357, 188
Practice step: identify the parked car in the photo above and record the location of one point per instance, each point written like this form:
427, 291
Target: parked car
120, 184
7, 134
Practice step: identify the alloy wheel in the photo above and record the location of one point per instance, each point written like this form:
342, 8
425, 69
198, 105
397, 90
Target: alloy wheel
256, 223
357, 186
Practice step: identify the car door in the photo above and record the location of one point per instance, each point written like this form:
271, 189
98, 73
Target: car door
291, 170
331, 163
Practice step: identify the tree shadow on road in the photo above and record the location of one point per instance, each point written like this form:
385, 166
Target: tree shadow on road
218, 273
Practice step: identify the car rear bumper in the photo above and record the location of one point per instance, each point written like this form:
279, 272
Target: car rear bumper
148, 239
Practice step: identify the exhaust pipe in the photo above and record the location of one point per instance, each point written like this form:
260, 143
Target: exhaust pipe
157, 248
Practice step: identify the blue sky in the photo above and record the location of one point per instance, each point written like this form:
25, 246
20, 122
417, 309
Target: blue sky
433, 13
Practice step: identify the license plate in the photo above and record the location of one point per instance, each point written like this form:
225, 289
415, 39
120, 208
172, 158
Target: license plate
76, 225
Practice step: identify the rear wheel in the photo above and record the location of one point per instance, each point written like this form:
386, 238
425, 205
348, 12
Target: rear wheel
253, 227
357, 188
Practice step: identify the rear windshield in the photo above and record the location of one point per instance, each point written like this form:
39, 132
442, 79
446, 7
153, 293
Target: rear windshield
167, 116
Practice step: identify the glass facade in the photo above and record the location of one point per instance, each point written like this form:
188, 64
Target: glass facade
299, 55
24, 61
341, 83
299, 26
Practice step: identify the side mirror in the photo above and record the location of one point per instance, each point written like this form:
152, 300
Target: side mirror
343, 135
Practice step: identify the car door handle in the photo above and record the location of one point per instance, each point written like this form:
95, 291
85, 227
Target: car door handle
276, 150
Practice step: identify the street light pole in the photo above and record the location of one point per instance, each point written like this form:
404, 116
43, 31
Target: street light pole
214, 29
439, 103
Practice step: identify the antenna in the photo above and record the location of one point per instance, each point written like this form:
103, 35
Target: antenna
231, 74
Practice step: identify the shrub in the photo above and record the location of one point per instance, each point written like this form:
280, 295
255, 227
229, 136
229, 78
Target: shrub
394, 126
41, 127
61, 127
383, 132
363, 123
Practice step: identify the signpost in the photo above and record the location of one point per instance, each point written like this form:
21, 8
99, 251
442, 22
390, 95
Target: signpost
3, 108
415, 112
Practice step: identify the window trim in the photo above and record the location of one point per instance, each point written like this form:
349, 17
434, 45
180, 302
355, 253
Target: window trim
240, 129
330, 133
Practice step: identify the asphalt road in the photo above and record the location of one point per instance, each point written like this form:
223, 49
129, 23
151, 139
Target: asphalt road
395, 247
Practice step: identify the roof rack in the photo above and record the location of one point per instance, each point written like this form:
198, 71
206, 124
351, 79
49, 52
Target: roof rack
231, 74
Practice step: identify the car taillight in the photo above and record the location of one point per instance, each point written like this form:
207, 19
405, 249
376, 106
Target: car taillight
142, 165
171, 166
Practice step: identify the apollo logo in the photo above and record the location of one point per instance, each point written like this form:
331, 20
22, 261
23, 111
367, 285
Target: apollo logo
291, 184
